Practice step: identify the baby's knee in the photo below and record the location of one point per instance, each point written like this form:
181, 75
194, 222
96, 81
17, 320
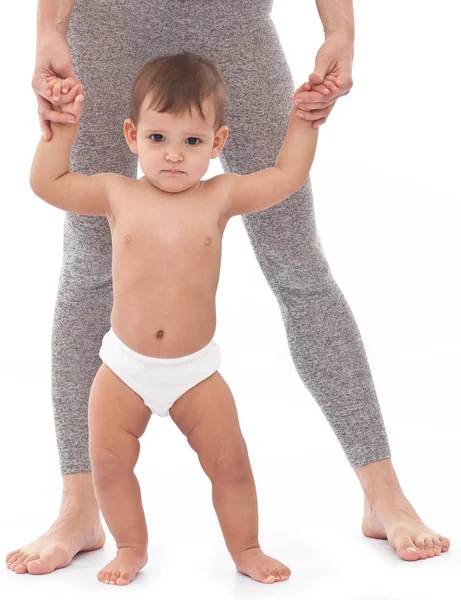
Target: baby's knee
231, 465
108, 466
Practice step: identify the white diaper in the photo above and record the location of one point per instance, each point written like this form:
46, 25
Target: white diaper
159, 381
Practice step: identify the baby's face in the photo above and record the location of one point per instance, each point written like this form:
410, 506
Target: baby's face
185, 143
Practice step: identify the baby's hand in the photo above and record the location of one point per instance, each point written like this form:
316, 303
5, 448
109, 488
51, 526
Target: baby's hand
56, 85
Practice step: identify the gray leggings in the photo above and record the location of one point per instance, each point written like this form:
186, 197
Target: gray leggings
110, 40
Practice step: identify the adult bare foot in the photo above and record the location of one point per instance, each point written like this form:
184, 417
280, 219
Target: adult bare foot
71, 533
392, 517
123, 569
77, 529
260, 567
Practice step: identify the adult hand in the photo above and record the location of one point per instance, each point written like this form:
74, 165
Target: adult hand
53, 59
331, 79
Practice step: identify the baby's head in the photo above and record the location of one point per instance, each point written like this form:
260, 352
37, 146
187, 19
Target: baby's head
176, 119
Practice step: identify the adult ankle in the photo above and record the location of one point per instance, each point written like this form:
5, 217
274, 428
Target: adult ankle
378, 479
78, 492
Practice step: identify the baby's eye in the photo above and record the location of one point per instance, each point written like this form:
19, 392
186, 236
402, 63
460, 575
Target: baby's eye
159, 135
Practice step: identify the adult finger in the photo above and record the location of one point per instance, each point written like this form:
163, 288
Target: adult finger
323, 119
320, 88
317, 105
331, 86
317, 124
56, 116
312, 115
334, 79
47, 114
44, 124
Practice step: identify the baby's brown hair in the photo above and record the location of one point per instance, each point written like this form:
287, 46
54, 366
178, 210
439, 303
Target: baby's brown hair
176, 83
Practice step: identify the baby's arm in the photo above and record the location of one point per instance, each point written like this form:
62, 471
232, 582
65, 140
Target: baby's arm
258, 191
51, 180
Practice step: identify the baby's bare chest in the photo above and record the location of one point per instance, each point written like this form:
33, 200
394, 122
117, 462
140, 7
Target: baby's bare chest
170, 237
179, 233
138, 237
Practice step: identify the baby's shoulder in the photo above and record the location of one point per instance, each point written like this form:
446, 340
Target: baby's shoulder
117, 187
219, 182
115, 179
219, 187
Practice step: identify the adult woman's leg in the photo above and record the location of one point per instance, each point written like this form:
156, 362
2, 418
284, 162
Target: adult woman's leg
323, 337
106, 54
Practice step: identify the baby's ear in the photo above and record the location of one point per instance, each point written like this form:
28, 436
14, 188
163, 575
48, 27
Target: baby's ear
130, 133
129, 127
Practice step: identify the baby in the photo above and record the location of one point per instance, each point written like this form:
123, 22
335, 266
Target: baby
159, 355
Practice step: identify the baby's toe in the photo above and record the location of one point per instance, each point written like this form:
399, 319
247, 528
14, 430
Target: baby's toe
276, 572
101, 575
108, 576
285, 573
267, 576
125, 578
113, 578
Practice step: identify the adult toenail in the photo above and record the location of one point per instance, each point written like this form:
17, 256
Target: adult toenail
412, 550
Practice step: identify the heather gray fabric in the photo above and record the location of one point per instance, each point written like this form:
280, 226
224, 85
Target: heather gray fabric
110, 40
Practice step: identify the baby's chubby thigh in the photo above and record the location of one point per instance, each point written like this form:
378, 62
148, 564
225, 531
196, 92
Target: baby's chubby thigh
117, 418
206, 414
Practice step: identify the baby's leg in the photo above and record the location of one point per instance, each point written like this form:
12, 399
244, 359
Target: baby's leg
117, 417
207, 415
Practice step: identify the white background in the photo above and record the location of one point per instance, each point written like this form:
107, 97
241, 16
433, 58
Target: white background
386, 191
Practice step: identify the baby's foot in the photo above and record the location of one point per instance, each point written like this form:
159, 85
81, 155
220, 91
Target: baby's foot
260, 567
122, 570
